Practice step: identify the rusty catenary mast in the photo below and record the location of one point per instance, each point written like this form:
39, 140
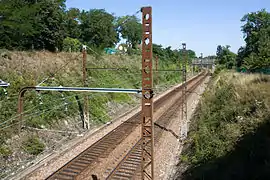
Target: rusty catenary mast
147, 144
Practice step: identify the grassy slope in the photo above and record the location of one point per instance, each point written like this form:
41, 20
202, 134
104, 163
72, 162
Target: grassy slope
229, 137
47, 109
56, 111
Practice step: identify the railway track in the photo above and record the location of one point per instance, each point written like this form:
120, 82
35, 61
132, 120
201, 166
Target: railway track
103, 147
129, 167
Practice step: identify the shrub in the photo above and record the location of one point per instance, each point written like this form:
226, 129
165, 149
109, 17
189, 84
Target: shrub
5, 151
230, 108
33, 145
72, 45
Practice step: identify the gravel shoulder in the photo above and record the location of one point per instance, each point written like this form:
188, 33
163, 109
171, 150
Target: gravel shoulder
45, 166
169, 148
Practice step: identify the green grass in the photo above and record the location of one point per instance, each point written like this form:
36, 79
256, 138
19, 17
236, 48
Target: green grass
33, 145
44, 109
5, 151
234, 106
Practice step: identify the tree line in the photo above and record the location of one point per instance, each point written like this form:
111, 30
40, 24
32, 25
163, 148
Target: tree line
255, 55
49, 25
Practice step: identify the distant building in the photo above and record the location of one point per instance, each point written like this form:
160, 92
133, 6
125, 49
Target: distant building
110, 50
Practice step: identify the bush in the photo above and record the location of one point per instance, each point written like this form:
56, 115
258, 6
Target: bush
5, 151
33, 145
72, 45
231, 107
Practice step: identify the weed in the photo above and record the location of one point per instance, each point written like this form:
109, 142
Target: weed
5, 151
33, 145
233, 106
31, 68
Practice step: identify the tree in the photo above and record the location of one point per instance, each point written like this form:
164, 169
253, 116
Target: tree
130, 29
32, 24
158, 50
225, 56
50, 27
261, 59
219, 51
256, 30
97, 28
15, 23
241, 54
71, 45
72, 27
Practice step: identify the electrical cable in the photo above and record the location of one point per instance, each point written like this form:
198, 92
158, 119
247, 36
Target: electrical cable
24, 113
59, 69
39, 113
29, 115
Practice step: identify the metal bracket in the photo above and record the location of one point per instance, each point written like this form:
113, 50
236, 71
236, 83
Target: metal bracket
3, 83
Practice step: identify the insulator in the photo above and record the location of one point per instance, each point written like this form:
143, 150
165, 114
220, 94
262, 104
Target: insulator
65, 102
5, 92
40, 99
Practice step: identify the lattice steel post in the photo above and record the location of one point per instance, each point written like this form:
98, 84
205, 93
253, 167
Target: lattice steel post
157, 81
85, 108
184, 94
147, 145
201, 61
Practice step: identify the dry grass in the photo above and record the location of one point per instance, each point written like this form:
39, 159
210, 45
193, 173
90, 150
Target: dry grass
234, 111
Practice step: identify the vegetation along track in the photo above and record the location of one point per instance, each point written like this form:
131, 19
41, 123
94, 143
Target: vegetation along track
129, 167
109, 142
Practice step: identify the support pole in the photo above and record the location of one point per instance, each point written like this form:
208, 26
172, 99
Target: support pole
157, 71
85, 107
65, 89
201, 61
20, 106
184, 95
147, 133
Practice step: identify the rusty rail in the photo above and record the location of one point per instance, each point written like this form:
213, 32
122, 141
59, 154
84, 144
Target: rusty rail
129, 166
104, 146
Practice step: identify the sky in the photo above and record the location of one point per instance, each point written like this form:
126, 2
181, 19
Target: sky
201, 24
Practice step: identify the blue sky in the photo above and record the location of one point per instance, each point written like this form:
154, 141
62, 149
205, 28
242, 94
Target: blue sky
201, 24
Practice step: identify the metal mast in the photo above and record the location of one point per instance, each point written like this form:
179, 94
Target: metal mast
147, 143
184, 94
86, 124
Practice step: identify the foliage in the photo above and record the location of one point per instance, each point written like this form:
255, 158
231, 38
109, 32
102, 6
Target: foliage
31, 24
225, 56
228, 111
72, 27
98, 28
71, 45
5, 151
47, 25
130, 29
256, 53
170, 55
44, 109
33, 145
44, 24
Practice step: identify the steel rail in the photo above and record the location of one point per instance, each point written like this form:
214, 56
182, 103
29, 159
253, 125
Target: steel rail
104, 146
128, 167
